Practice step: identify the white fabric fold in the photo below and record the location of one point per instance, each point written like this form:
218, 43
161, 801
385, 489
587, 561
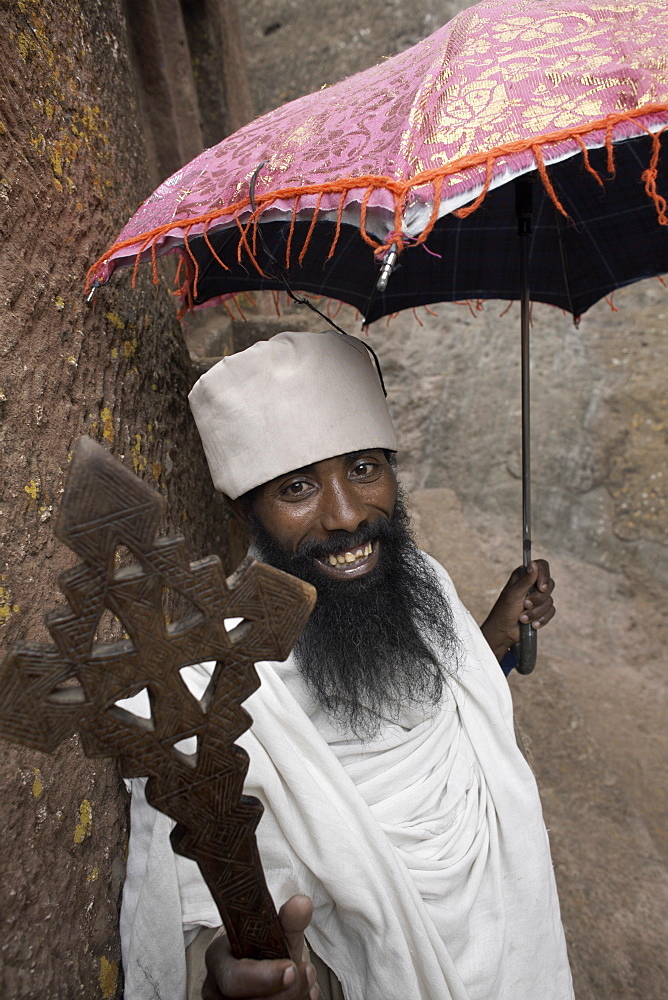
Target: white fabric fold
424, 850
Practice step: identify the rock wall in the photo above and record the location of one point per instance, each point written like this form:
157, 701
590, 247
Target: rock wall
599, 420
74, 164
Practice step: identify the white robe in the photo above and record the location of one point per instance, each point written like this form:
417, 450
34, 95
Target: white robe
424, 850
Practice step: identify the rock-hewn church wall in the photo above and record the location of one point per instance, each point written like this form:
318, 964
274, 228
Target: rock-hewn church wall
81, 144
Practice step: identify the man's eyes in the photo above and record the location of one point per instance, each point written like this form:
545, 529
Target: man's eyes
364, 469
296, 488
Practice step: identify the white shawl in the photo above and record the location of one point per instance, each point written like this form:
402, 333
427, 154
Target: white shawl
424, 850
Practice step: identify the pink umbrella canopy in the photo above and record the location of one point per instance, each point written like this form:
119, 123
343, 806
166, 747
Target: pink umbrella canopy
503, 89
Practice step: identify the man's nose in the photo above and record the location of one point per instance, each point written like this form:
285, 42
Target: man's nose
342, 508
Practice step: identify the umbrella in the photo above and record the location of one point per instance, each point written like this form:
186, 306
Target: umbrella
392, 188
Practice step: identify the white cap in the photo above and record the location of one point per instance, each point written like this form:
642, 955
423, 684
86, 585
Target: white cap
288, 402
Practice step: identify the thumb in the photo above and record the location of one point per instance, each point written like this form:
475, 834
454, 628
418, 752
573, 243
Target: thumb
530, 574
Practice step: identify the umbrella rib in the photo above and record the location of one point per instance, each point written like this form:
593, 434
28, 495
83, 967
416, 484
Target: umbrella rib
562, 257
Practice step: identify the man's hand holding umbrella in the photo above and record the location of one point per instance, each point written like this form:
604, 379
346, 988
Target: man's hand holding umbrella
527, 599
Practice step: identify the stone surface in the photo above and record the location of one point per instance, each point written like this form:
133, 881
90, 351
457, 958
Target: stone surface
593, 717
73, 166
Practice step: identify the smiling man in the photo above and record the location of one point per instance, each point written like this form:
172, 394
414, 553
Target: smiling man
402, 828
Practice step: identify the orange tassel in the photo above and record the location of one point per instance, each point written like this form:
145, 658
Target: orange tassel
462, 213
649, 177
309, 234
585, 157
547, 183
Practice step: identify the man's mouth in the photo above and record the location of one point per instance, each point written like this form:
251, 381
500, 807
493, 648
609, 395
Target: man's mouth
349, 563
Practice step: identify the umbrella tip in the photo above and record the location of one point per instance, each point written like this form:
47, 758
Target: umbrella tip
388, 266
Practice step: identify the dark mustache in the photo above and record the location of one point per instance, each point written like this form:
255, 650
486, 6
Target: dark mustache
344, 540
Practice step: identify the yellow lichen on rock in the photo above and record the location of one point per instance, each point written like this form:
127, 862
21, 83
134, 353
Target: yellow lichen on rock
138, 460
38, 784
108, 432
84, 826
115, 320
108, 977
6, 606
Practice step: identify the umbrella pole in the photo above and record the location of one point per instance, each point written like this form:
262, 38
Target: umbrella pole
526, 649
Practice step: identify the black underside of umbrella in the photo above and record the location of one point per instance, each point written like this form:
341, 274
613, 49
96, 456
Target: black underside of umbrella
611, 239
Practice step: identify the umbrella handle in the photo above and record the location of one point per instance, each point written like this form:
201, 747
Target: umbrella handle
526, 649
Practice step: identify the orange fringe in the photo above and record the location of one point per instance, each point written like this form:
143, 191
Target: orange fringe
585, 157
215, 256
243, 243
374, 244
154, 264
337, 229
241, 312
547, 183
227, 309
135, 269
339, 307
466, 302
507, 309
462, 213
291, 233
610, 149
194, 261
649, 177
316, 210
401, 189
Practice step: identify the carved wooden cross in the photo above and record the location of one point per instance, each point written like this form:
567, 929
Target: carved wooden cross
48, 692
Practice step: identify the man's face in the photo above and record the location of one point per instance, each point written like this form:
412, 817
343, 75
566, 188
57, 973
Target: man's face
368, 650
321, 503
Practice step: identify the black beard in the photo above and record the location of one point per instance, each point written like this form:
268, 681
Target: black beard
376, 644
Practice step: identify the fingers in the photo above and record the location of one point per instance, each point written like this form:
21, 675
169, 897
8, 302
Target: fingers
526, 598
229, 978
538, 617
541, 568
538, 603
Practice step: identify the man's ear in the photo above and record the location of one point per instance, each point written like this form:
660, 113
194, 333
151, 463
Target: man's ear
240, 508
